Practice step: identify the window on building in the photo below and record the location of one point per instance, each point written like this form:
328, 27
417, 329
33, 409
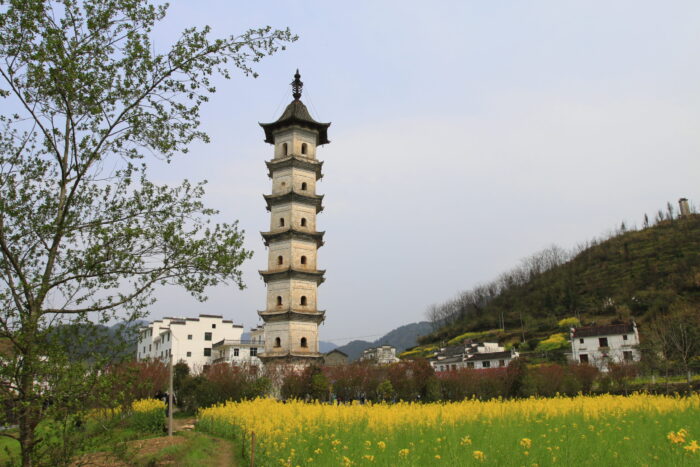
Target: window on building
279, 301
486, 364
189, 354
280, 260
303, 221
580, 341
207, 336
278, 342
583, 358
303, 148
144, 349
281, 221
207, 351
624, 337
303, 300
303, 260
213, 326
303, 186
627, 356
235, 352
149, 347
189, 337
161, 354
501, 363
470, 364
303, 342
285, 149
253, 351
602, 341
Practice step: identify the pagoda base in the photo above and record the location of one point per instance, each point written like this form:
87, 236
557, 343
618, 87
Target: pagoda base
294, 359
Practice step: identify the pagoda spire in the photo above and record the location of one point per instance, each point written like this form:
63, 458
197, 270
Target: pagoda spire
297, 86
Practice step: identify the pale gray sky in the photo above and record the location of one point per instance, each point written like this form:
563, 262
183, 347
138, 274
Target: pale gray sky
466, 135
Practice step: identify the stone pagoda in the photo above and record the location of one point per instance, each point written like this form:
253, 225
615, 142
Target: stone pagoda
292, 277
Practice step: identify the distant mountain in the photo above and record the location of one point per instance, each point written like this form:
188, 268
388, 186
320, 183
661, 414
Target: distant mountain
325, 347
402, 338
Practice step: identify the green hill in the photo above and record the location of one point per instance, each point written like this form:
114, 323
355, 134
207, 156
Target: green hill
634, 274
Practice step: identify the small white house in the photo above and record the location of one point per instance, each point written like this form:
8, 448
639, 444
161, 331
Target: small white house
481, 355
382, 355
598, 345
187, 339
242, 351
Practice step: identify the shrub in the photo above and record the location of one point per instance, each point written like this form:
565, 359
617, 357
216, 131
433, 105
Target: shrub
568, 323
553, 342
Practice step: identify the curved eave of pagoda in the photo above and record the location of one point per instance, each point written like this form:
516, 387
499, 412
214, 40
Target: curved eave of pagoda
286, 356
320, 128
291, 273
293, 234
293, 315
294, 197
296, 162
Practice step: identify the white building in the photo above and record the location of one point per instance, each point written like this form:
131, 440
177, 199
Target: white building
380, 355
598, 345
479, 355
187, 339
242, 351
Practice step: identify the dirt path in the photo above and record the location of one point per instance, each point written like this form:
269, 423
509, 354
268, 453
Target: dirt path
225, 457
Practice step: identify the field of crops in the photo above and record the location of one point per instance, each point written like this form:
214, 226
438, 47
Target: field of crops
604, 430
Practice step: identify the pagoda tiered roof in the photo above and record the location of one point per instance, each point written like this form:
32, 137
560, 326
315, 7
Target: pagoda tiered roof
297, 162
292, 273
290, 314
295, 197
293, 234
296, 114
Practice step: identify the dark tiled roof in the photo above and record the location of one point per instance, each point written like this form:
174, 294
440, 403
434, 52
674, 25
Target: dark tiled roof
210, 316
337, 351
296, 113
490, 355
607, 330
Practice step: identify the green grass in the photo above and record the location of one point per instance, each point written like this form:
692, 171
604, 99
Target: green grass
197, 451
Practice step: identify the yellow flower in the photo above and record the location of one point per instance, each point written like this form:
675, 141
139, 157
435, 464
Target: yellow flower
147, 405
677, 438
346, 461
526, 453
466, 441
317, 451
692, 447
404, 453
368, 457
437, 456
526, 443
381, 444
479, 455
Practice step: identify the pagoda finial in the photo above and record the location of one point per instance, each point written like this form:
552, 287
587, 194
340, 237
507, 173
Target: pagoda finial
297, 84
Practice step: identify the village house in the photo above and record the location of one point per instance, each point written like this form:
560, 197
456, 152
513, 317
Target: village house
335, 358
242, 351
473, 355
599, 345
382, 355
185, 339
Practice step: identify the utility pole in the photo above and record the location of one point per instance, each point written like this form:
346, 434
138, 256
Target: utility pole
170, 396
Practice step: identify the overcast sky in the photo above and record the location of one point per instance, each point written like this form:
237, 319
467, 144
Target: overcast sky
465, 136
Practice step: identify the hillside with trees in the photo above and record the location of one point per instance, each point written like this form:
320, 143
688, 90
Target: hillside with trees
649, 275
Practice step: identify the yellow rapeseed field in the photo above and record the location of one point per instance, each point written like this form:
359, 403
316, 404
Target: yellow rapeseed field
602, 430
